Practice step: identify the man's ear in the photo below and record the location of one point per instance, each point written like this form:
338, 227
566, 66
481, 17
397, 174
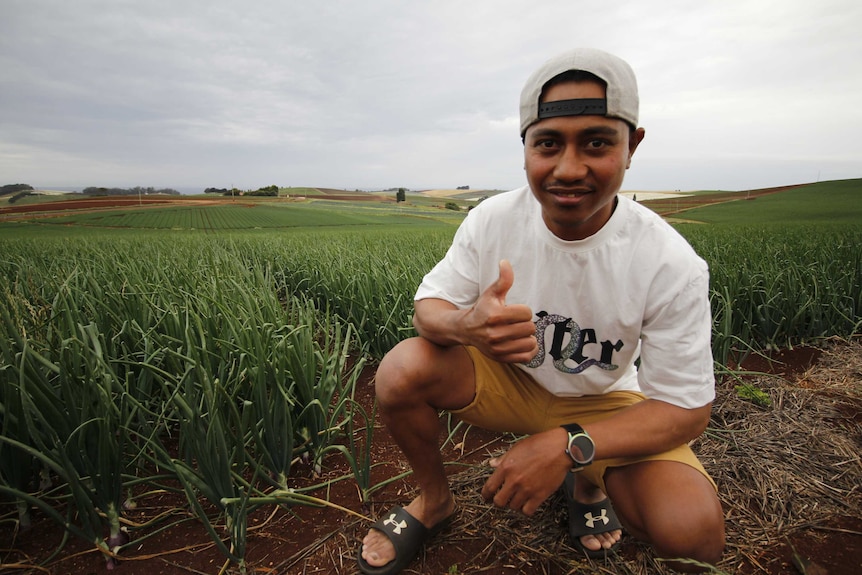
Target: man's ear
635, 138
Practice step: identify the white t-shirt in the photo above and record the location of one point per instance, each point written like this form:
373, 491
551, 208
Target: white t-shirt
636, 288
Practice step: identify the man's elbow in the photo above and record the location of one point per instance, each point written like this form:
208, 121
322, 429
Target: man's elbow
417, 323
699, 420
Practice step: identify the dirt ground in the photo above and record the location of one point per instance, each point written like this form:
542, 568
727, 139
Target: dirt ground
789, 478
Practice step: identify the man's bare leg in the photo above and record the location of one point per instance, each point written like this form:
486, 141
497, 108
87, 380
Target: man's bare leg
671, 506
415, 380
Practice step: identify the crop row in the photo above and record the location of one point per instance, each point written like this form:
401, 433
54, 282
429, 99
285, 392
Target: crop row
233, 216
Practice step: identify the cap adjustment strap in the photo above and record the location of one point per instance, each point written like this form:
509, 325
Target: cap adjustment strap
579, 107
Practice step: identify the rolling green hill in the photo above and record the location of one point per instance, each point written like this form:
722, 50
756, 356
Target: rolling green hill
837, 201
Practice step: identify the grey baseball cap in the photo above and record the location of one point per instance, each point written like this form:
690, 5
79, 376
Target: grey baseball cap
621, 95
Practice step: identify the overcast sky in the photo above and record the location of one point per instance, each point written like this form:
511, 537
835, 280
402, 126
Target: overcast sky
189, 94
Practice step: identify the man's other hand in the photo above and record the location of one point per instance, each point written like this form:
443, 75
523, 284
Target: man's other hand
526, 475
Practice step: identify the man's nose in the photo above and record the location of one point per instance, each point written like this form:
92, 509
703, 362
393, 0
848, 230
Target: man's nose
571, 165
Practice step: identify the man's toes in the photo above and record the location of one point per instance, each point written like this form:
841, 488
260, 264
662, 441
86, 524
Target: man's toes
600, 540
591, 542
377, 550
607, 540
372, 557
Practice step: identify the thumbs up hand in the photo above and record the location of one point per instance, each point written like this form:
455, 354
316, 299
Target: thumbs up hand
503, 332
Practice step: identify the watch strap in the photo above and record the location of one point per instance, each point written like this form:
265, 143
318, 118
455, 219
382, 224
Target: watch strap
573, 428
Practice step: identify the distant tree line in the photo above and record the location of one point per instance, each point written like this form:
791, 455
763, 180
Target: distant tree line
15, 188
265, 191
137, 190
18, 191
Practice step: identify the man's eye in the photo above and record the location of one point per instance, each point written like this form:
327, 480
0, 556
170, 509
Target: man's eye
596, 144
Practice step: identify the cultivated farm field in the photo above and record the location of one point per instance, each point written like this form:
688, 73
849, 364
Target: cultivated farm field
203, 369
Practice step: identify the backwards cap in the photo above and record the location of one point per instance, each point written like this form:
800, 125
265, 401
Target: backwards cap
621, 99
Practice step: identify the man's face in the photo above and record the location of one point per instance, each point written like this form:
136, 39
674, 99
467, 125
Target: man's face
575, 164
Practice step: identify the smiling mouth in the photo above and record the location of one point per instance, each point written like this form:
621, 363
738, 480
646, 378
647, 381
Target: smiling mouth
569, 193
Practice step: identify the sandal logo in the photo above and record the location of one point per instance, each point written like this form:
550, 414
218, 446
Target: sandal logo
398, 526
591, 519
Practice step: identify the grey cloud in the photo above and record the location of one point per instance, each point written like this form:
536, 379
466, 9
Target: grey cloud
381, 93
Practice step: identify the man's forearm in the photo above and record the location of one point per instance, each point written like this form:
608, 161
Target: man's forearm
438, 321
505, 333
648, 427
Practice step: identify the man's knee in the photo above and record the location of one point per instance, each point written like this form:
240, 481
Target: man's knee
396, 372
672, 507
696, 534
418, 371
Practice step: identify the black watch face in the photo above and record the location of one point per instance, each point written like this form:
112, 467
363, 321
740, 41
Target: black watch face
586, 447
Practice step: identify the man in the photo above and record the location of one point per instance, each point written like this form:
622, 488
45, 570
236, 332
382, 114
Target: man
532, 324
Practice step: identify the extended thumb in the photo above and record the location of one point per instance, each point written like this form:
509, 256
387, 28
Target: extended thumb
505, 280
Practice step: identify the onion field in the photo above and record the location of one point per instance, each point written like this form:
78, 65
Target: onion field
213, 363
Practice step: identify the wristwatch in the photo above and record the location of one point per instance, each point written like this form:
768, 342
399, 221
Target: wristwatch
580, 446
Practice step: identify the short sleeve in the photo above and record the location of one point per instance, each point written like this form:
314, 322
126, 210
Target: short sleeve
676, 348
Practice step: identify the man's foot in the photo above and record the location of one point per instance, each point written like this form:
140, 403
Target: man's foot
377, 548
590, 516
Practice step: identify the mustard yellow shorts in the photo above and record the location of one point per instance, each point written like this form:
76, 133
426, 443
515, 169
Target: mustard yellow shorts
509, 400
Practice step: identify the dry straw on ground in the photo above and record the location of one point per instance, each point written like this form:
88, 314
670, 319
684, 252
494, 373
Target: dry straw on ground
791, 465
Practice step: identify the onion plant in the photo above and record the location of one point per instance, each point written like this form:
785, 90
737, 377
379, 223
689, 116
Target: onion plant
78, 432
